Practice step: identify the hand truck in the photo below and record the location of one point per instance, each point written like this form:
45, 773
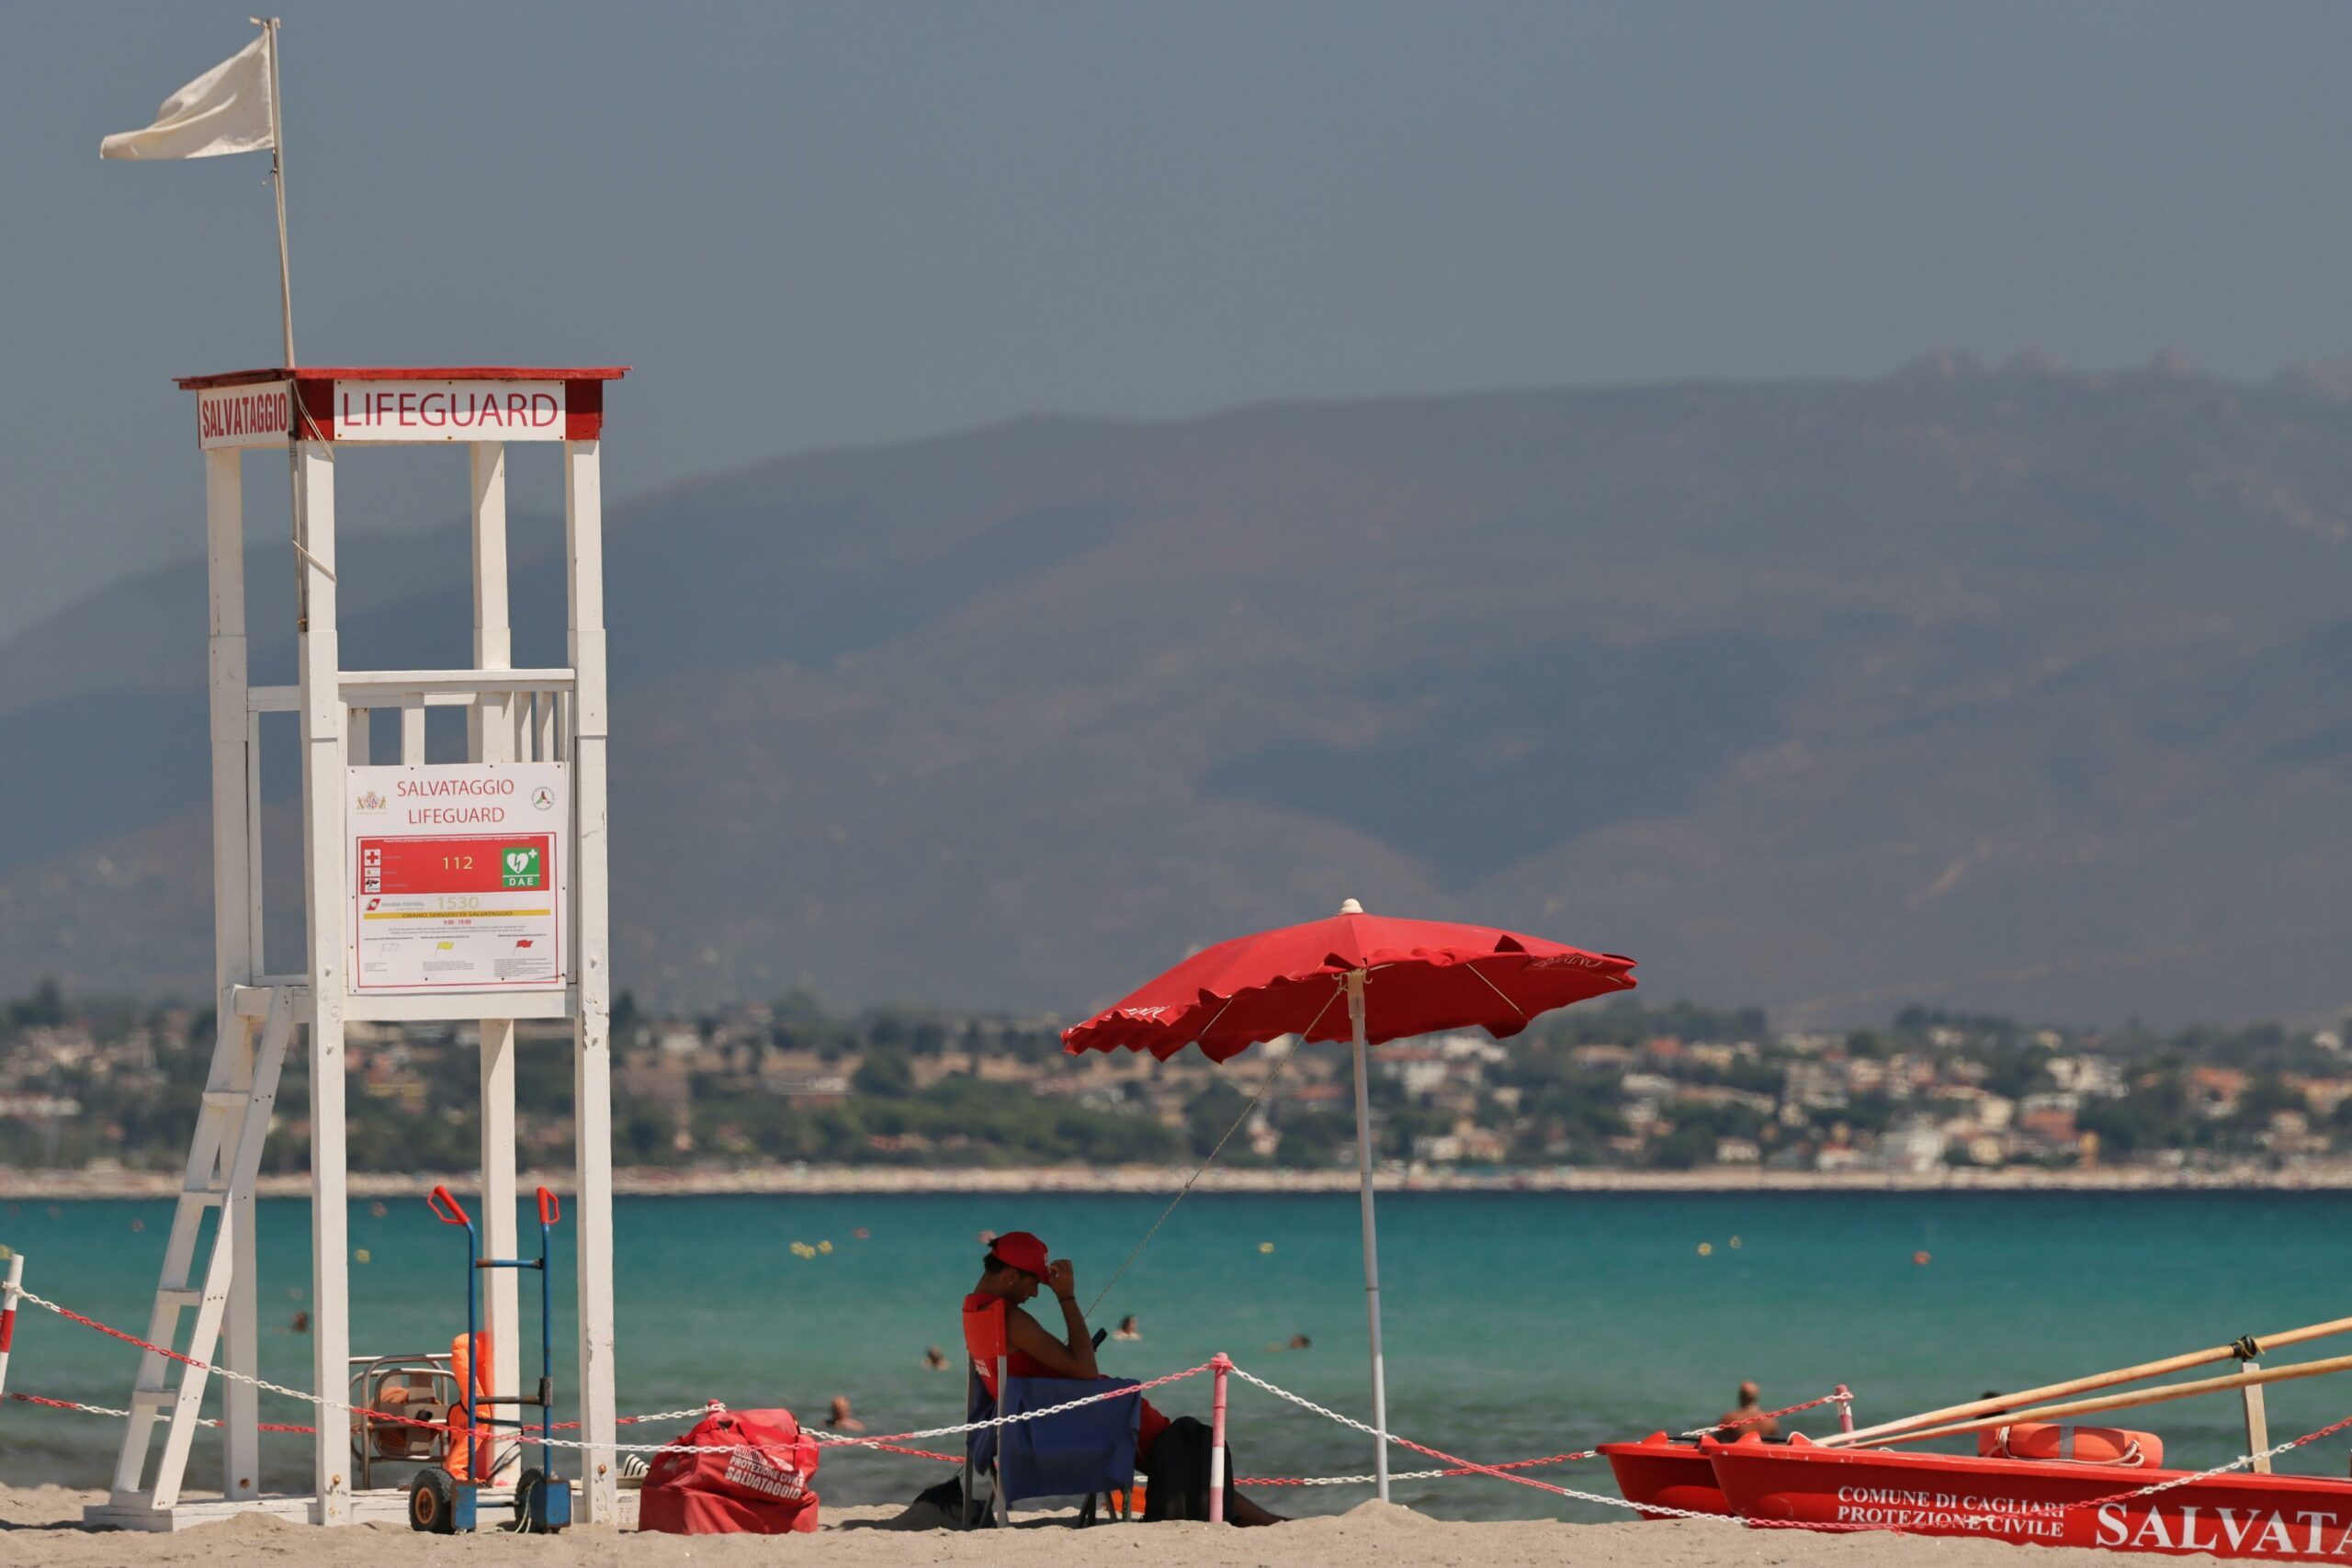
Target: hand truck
437, 1500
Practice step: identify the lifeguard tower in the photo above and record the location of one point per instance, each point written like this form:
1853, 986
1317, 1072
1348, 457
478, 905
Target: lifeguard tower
458, 891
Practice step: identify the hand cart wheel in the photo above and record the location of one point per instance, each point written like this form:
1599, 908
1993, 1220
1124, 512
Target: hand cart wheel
431, 1502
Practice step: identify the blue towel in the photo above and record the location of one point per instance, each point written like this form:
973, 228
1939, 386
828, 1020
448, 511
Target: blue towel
1075, 1454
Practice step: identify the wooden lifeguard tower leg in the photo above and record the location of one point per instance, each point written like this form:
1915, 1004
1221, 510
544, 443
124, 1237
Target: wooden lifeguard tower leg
490, 739
592, 1079
320, 695
235, 955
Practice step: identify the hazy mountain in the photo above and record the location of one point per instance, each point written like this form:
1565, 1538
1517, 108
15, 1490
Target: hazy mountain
2019, 691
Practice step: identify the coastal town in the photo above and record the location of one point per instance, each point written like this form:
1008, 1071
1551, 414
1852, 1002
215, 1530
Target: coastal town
107, 1088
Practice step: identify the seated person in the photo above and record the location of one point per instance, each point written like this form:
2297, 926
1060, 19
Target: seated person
1748, 1416
1015, 1266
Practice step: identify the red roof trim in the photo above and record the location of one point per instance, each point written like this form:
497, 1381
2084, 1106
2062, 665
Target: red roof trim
583, 411
313, 409
409, 372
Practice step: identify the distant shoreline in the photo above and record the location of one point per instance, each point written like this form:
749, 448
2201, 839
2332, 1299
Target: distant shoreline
18, 1186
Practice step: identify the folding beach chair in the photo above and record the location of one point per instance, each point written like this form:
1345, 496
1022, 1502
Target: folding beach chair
1079, 1453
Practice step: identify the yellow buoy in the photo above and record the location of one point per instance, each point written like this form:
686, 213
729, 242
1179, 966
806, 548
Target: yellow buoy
1706, 1249
361, 1256
1265, 1246
1734, 1244
824, 1247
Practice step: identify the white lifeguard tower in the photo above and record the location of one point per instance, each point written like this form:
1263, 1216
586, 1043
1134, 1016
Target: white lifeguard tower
473, 891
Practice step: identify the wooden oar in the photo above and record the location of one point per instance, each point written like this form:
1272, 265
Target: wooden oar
2126, 1401
2084, 1385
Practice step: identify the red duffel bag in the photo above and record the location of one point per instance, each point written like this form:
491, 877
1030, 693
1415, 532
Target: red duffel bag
762, 1483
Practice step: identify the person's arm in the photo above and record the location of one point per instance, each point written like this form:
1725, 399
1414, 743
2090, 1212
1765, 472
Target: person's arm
1070, 1357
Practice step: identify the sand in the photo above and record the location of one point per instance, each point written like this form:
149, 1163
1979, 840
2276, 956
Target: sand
39, 1525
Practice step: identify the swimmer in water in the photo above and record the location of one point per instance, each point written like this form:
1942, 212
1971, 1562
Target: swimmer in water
1128, 1329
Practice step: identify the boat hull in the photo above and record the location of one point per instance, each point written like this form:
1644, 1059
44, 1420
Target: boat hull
2277, 1518
1661, 1473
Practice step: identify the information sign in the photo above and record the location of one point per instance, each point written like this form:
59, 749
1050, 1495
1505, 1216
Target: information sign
457, 877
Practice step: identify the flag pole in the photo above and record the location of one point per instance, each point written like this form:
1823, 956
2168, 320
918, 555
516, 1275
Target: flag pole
269, 26
278, 179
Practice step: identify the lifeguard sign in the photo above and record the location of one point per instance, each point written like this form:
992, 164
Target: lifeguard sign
457, 877
458, 891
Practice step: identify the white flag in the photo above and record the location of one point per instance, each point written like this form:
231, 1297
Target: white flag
224, 110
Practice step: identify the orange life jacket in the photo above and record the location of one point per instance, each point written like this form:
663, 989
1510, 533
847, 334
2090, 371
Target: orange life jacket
470, 1456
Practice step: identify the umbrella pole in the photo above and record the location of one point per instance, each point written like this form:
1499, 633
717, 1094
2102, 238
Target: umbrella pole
1371, 1236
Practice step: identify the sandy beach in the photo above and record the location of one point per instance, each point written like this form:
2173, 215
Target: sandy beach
41, 1527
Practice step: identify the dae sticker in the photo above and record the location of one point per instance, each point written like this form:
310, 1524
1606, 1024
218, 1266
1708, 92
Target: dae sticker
522, 866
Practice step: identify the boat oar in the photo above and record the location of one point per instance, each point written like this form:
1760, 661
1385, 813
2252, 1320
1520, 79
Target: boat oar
2126, 1401
2005, 1401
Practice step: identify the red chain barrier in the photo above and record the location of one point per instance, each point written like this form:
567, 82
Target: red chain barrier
58, 1404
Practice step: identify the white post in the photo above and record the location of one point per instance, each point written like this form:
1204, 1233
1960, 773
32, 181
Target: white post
325, 785
412, 729
488, 734
592, 1075
233, 959
501, 1315
1371, 1234
241, 1338
255, 947
10, 1283
2257, 1422
490, 739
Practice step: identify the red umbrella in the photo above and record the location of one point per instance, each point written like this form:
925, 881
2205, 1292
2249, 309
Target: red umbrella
1352, 976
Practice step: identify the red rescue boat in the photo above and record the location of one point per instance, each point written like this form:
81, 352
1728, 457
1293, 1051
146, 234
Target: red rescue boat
1660, 1471
2278, 1518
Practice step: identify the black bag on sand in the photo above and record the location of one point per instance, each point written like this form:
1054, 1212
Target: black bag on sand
948, 1498
1179, 1476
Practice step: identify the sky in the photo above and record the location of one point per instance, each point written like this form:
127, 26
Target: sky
809, 225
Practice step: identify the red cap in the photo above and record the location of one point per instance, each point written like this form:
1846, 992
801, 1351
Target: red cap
1021, 1250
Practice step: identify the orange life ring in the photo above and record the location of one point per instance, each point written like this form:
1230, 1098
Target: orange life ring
2073, 1445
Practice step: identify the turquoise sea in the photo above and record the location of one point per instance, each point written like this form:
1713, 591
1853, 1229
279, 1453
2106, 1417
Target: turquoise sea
1517, 1325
